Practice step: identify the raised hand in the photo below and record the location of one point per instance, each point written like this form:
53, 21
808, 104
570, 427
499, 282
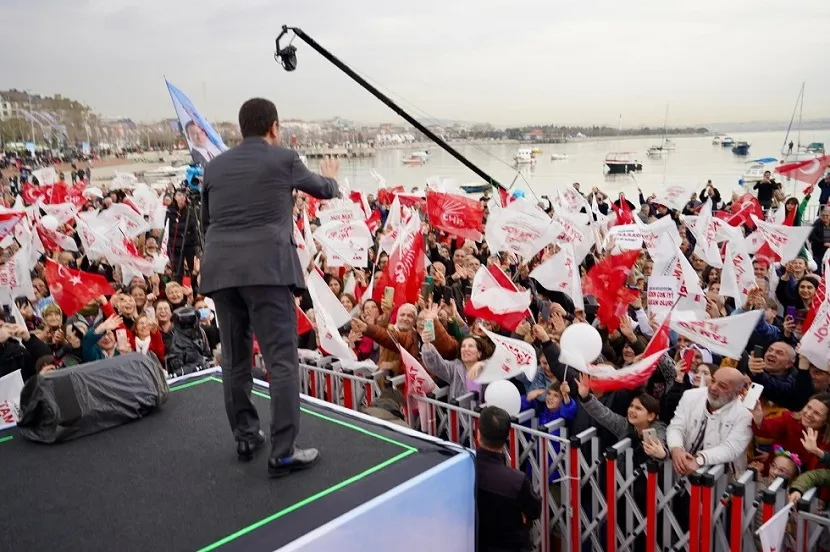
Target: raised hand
330, 167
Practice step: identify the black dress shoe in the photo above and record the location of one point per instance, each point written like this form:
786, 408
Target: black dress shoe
301, 459
245, 448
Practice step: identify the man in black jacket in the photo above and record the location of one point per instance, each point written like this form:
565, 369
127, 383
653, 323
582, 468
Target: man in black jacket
183, 235
507, 503
20, 353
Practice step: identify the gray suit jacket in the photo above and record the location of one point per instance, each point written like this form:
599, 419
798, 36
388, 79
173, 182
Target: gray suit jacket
247, 216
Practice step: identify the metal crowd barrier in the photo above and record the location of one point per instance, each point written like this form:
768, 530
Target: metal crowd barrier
598, 500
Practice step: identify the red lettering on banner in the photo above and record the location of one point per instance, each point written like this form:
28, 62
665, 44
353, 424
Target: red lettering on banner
704, 329
822, 329
6, 413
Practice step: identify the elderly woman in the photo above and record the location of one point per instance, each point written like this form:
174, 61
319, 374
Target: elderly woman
100, 342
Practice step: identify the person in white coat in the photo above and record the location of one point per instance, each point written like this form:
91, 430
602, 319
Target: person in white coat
711, 426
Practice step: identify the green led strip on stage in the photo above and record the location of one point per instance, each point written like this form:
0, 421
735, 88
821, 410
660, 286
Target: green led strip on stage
408, 451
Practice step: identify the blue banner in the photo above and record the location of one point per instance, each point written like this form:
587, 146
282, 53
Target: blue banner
202, 140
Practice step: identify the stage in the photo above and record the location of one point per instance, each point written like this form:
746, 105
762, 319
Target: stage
171, 481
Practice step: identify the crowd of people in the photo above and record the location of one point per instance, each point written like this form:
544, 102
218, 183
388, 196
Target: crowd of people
690, 411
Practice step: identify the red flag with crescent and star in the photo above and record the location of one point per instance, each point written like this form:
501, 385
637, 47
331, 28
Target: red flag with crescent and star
809, 171
74, 289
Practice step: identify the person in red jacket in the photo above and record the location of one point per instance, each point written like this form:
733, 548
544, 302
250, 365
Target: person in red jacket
147, 338
790, 430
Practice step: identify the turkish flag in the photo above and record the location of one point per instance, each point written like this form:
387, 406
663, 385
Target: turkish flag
387, 195
607, 281
809, 171
456, 215
509, 320
743, 209
373, 222
303, 323
74, 289
660, 339
623, 211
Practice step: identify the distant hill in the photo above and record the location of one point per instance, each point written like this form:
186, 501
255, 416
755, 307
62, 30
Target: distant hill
760, 126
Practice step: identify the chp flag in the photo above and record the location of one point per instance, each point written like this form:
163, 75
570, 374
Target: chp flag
727, 335
456, 215
511, 358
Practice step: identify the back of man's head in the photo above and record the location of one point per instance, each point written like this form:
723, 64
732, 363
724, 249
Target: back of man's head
493, 428
256, 117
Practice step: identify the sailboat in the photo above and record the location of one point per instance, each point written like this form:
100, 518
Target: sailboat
622, 162
666, 145
792, 152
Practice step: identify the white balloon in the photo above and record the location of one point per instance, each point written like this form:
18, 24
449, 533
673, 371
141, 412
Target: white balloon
49, 222
581, 340
503, 394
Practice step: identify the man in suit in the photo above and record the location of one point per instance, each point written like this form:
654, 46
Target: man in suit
250, 269
506, 501
201, 148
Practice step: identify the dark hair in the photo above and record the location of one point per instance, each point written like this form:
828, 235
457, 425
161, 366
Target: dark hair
43, 361
256, 116
651, 404
483, 344
494, 427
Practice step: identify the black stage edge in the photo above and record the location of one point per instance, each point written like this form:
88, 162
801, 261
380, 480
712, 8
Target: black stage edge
171, 481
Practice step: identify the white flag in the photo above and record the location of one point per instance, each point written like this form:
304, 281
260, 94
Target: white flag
727, 335
330, 315
772, 532
815, 344
325, 300
737, 278
675, 197
653, 233
511, 358
10, 387
786, 241
561, 273
575, 232
487, 293
345, 243
519, 232
677, 265
706, 246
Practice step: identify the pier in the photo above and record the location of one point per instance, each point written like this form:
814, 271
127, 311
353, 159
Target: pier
349, 152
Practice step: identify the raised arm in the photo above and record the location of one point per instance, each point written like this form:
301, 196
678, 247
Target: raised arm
320, 186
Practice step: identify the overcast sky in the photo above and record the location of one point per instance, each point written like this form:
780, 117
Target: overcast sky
502, 61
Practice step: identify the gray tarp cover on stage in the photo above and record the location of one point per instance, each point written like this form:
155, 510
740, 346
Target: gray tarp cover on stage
72, 402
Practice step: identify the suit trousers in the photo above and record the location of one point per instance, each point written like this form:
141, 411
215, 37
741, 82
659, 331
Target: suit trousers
270, 313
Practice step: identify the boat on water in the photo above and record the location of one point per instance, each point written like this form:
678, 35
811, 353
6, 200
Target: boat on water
558, 156
475, 188
424, 154
622, 163
741, 148
727, 142
718, 139
754, 170
413, 160
656, 151
661, 150
524, 156
536, 151
793, 150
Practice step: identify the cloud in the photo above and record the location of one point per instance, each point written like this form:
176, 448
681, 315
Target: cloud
503, 61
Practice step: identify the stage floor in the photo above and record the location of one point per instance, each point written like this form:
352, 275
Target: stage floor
171, 481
